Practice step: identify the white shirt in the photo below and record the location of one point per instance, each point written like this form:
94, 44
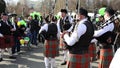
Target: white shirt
1, 35
45, 27
105, 29
80, 30
115, 63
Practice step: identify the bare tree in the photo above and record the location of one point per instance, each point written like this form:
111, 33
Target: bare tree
45, 7
116, 4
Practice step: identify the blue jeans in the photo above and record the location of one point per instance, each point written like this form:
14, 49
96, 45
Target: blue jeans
34, 37
29, 35
16, 47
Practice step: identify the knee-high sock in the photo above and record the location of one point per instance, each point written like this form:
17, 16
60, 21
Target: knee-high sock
46, 60
65, 55
1, 53
10, 51
53, 65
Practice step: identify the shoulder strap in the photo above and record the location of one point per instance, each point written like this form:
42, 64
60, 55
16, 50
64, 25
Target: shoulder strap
61, 24
67, 20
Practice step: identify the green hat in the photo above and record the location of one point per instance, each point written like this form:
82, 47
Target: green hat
102, 11
27, 38
35, 13
22, 22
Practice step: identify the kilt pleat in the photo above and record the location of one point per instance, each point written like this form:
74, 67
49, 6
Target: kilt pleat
3, 44
92, 50
51, 48
106, 56
78, 61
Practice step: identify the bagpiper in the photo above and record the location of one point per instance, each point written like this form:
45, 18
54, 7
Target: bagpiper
6, 37
105, 39
64, 23
78, 42
51, 44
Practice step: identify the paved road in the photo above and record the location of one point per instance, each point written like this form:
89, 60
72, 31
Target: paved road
32, 58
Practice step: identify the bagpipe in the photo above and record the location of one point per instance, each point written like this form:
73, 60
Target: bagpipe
66, 24
112, 19
109, 37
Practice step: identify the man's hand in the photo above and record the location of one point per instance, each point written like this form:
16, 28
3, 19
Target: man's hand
13, 29
64, 32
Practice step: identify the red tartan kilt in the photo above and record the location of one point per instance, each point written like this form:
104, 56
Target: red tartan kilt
3, 44
51, 48
106, 56
92, 50
78, 61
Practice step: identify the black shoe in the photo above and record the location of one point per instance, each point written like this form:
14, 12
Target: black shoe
12, 57
1, 59
64, 63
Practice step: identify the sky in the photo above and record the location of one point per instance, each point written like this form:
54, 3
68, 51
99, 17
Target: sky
34, 0
11, 1
15, 1
18, 0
